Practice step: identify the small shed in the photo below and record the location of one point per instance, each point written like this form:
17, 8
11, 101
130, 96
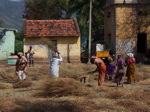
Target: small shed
7, 42
46, 35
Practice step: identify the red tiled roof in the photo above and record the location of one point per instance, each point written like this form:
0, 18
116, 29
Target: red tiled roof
45, 28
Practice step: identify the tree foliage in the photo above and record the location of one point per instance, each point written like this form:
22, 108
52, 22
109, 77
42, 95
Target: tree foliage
45, 9
20, 35
1, 22
81, 8
18, 46
64, 9
19, 42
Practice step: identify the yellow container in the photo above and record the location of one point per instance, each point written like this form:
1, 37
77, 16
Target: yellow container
102, 54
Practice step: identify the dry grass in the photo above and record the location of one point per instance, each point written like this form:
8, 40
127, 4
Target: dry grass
22, 84
5, 86
144, 82
142, 76
39, 93
116, 94
7, 74
133, 106
140, 96
142, 72
63, 87
6, 105
46, 106
75, 71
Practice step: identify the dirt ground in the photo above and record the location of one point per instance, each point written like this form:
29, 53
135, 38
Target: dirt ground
40, 93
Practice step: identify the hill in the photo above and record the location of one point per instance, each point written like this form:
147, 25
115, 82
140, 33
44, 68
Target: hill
11, 13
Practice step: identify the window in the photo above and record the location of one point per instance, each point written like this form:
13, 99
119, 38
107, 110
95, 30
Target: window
54, 44
108, 14
141, 43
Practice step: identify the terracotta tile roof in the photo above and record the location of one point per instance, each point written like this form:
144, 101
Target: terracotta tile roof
44, 28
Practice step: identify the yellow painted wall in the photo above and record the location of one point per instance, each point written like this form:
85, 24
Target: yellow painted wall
69, 47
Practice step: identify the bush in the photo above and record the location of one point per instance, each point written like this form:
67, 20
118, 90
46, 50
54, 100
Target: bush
18, 46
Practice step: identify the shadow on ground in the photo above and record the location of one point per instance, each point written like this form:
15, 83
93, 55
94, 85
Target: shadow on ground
46, 106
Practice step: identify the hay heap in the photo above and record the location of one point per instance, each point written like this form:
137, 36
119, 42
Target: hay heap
63, 87
22, 84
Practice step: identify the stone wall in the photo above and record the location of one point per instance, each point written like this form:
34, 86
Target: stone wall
128, 25
124, 24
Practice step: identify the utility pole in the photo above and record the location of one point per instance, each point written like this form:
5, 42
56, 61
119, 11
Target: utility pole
90, 23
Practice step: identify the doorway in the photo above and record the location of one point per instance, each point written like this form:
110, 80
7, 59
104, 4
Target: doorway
52, 46
141, 43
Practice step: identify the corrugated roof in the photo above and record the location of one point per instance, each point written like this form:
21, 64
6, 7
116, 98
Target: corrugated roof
46, 28
9, 29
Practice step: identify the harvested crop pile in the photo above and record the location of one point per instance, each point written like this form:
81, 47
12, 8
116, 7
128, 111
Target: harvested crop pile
63, 87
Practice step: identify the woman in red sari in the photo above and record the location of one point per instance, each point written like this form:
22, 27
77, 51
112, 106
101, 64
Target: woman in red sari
101, 68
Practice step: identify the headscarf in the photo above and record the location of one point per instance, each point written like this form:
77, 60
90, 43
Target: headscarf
130, 55
19, 54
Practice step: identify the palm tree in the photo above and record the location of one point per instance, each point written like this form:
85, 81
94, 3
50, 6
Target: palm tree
80, 8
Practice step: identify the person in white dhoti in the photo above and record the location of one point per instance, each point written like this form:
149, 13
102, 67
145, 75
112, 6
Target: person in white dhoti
54, 64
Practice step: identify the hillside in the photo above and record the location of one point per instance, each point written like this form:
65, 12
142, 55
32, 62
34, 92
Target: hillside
11, 13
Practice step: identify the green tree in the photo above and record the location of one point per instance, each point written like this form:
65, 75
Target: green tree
20, 35
64, 9
19, 42
81, 9
1, 22
18, 46
45, 9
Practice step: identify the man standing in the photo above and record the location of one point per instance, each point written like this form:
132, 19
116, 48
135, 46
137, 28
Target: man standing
31, 58
55, 62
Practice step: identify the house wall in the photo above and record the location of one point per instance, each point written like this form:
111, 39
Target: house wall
7, 45
125, 29
126, 21
109, 29
69, 47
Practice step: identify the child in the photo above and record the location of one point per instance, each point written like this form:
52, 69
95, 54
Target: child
120, 70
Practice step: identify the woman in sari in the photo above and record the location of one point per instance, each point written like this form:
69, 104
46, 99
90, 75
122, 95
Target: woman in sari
120, 70
131, 65
110, 68
101, 68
